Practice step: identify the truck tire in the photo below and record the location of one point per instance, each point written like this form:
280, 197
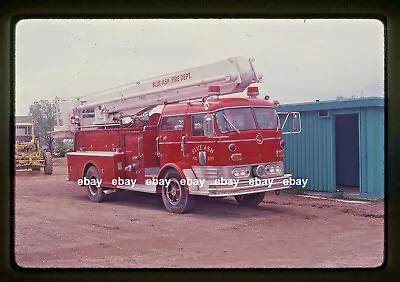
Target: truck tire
48, 163
174, 196
36, 169
250, 200
95, 193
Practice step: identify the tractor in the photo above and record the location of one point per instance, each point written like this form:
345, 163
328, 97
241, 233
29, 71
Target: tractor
27, 150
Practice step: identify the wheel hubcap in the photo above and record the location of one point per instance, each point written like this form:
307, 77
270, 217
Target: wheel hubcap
93, 189
173, 192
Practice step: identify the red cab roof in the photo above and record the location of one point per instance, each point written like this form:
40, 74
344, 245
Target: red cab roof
198, 107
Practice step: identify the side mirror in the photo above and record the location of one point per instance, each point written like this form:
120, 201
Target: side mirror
295, 119
208, 125
295, 122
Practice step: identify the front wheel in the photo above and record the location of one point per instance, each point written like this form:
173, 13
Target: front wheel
95, 193
250, 199
174, 196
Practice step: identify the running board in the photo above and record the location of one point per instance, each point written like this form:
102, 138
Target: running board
140, 188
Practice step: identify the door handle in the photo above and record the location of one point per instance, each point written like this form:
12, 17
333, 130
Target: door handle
139, 140
183, 146
157, 147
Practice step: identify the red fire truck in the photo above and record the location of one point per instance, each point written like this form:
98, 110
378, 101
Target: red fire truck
175, 135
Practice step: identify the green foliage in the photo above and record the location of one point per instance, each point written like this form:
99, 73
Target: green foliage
45, 114
341, 97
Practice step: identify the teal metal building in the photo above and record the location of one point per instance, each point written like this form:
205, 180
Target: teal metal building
340, 148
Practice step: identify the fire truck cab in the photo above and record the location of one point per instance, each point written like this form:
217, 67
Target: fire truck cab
202, 144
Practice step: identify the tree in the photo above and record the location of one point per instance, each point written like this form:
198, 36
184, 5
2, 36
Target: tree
340, 97
45, 113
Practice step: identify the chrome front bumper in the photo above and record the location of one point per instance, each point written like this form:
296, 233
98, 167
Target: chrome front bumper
244, 187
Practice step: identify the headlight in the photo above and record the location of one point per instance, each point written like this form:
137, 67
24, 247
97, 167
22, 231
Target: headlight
274, 168
240, 172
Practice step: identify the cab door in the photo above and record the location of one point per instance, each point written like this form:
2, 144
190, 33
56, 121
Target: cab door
172, 139
200, 148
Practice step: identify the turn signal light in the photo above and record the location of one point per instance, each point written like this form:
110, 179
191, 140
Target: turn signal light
236, 157
279, 154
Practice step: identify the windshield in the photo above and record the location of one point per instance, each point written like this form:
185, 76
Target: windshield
23, 130
266, 118
241, 119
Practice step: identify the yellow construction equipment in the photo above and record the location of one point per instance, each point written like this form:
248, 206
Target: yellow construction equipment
27, 150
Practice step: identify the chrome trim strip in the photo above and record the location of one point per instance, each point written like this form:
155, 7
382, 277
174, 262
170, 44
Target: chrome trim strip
230, 190
217, 188
139, 188
247, 192
226, 186
94, 153
169, 143
269, 107
246, 140
199, 192
213, 172
226, 141
201, 142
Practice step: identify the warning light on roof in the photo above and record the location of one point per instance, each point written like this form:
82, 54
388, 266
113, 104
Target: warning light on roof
252, 91
213, 93
214, 90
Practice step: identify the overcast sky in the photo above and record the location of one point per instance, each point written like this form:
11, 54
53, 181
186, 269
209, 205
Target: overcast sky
301, 60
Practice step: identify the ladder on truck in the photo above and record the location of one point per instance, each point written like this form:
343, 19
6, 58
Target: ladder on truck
233, 75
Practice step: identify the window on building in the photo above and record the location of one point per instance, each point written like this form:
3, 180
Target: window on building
323, 113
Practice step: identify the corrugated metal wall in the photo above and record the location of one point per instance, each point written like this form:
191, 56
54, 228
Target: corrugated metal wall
372, 151
311, 154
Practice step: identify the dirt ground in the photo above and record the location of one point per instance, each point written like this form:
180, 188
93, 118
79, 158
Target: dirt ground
57, 226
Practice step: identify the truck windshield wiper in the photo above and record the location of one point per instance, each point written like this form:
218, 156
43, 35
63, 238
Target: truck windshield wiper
237, 130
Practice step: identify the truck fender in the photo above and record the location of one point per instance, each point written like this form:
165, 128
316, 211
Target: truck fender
179, 167
88, 164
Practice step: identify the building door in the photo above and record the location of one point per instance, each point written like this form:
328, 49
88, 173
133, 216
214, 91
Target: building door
347, 153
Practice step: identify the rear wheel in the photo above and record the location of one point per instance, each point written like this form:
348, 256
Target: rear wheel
250, 199
174, 196
48, 163
36, 168
95, 193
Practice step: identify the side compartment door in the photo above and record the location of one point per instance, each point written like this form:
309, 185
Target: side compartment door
133, 155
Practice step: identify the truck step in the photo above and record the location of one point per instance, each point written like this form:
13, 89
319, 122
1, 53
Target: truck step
139, 188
